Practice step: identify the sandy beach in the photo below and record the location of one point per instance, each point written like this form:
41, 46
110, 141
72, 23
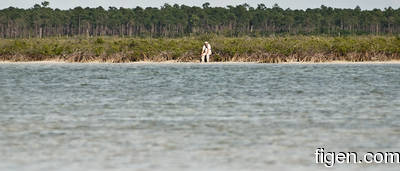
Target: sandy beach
176, 62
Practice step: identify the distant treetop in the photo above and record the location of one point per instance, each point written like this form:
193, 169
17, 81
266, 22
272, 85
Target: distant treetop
181, 20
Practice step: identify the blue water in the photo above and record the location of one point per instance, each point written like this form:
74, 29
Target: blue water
194, 116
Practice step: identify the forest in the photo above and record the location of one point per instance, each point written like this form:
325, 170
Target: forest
184, 21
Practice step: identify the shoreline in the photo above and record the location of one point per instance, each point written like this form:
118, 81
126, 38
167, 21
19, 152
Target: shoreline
176, 62
291, 49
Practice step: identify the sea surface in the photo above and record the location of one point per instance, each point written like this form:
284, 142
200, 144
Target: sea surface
228, 117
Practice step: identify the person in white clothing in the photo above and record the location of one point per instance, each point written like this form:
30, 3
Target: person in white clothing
206, 52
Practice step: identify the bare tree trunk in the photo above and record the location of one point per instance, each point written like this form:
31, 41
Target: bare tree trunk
40, 32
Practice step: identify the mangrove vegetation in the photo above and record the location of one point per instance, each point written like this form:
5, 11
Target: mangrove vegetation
273, 49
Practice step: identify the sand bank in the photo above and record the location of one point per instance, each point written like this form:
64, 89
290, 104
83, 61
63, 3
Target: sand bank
176, 62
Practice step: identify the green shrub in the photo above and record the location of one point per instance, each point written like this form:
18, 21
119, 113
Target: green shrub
99, 41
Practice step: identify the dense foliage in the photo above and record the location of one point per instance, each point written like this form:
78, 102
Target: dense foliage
187, 49
182, 20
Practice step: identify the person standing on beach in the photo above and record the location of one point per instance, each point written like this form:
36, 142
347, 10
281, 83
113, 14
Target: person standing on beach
206, 52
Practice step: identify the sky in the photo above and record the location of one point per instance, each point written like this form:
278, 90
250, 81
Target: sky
293, 4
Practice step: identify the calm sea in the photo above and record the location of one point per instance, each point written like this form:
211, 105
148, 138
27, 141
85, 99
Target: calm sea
195, 117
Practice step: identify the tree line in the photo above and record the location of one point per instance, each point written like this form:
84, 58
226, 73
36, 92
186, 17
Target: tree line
181, 20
